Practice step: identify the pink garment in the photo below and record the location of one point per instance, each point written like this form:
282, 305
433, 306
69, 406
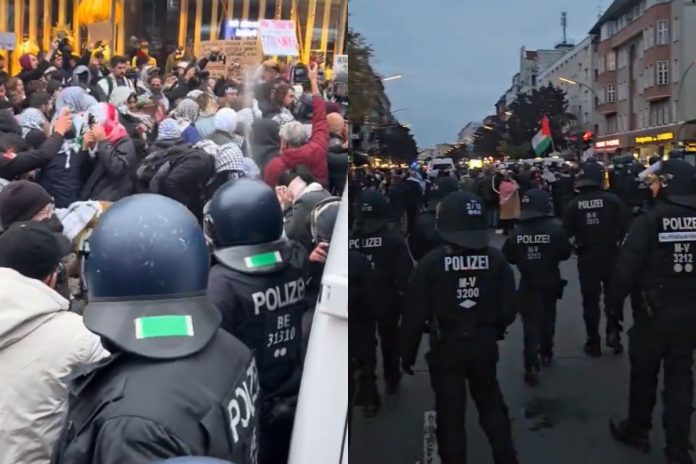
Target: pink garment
25, 61
112, 127
507, 190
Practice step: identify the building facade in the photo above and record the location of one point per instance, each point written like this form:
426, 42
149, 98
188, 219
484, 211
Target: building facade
643, 73
466, 135
320, 24
576, 66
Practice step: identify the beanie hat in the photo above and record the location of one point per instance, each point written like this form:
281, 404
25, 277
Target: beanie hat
169, 129
21, 200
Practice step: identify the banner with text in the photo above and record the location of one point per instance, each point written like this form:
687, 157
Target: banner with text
278, 37
239, 55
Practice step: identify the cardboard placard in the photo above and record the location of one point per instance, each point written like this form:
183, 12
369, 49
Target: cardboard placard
100, 31
8, 41
241, 55
278, 37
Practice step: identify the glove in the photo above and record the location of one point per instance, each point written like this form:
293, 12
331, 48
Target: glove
406, 367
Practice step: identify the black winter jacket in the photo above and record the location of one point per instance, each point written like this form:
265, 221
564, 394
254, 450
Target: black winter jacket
113, 175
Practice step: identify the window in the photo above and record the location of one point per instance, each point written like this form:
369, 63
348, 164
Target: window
611, 124
662, 72
675, 29
662, 30
611, 93
611, 61
600, 64
675, 70
623, 58
649, 37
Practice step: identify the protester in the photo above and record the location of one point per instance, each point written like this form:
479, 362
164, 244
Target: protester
187, 112
41, 342
265, 141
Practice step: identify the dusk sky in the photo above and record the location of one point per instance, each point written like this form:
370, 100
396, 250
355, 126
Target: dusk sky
457, 57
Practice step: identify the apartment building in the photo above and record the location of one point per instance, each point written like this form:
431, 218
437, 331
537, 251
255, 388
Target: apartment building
574, 73
643, 78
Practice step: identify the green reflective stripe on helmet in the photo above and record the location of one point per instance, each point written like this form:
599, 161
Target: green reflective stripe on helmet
263, 259
163, 326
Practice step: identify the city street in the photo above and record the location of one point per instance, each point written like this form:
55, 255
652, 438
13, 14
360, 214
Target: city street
563, 420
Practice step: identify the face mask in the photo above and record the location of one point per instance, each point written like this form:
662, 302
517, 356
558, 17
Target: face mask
53, 223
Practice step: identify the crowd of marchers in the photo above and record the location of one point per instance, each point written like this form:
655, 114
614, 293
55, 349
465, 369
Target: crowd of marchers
163, 241
631, 229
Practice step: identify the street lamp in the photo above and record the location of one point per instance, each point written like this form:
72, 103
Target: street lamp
572, 82
392, 78
490, 128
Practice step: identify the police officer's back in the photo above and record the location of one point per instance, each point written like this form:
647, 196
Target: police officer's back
598, 220
388, 254
176, 384
465, 291
258, 284
537, 245
658, 257
424, 237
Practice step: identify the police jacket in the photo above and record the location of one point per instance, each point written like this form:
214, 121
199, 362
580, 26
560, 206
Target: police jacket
463, 294
658, 256
536, 247
424, 237
388, 254
129, 409
361, 304
597, 219
264, 310
13, 165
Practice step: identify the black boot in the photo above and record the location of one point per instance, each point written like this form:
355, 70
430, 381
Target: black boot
630, 435
614, 341
531, 377
593, 347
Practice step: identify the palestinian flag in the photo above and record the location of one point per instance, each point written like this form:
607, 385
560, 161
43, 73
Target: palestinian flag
542, 139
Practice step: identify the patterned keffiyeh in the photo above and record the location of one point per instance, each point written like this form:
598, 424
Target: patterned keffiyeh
30, 119
74, 98
229, 158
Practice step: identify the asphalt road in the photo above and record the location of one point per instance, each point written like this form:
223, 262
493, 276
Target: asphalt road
563, 420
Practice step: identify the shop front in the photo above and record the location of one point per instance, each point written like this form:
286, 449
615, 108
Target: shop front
656, 142
605, 149
320, 25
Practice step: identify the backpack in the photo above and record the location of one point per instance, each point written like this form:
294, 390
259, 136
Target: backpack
157, 166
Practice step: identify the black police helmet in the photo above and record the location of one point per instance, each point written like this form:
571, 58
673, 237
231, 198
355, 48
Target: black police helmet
243, 212
676, 154
244, 222
147, 274
443, 187
460, 220
678, 180
536, 203
653, 159
591, 174
373, 211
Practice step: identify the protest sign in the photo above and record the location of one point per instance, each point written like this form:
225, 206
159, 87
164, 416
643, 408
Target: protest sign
7, 41
278, 37
340, 68
239, 55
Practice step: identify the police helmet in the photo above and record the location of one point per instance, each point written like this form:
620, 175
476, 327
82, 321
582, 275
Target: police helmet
372, 211
536, 203
443, 187
460, 220
147, 275
591, 174
653, 159
244, 223
678, 181
322, 219
676, 154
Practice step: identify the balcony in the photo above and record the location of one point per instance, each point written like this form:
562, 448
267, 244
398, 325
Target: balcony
607, 108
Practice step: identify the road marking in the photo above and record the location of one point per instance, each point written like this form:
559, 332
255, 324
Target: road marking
430, 455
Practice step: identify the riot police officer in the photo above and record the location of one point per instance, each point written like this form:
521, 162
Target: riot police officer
598, 220
424, 237
391, 262
175, 385
537, 246
658, 256
465, 291
259, 284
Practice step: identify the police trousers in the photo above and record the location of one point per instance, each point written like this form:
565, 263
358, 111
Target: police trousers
538, 310
647, 352
453, 366
594, 268
388, 329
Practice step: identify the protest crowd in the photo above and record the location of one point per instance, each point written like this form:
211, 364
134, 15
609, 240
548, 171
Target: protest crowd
164, 233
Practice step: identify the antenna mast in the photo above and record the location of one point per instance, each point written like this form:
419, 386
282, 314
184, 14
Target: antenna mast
564, 25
